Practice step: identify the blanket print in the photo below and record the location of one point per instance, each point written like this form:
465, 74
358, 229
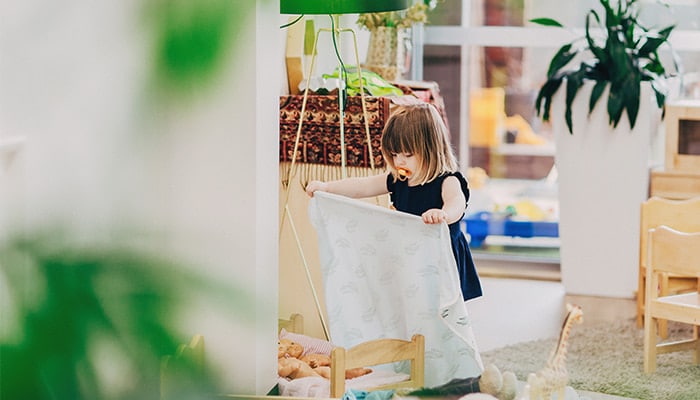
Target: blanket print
387, 274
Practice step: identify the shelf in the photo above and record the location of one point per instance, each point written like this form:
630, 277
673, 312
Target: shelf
674, 184
537, 249
505, 257
514, 161
515, 149
519, 252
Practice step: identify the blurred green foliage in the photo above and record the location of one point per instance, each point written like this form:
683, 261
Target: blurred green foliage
193, 40
95, 323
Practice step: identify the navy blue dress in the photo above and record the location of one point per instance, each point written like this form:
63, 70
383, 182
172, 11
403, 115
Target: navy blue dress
418, 199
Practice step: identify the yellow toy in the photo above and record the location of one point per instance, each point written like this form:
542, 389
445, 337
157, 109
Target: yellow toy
525, 134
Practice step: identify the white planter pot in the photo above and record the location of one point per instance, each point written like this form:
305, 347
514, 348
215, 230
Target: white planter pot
603, 179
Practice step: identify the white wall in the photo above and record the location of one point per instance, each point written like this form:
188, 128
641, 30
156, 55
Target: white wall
191, 175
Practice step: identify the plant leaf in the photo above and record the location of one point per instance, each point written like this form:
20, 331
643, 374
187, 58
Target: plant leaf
610, 15
595, 95
660, 90
619, 63
632, 92
573, 82
598, 52
563, 56
654, 41
546, 22
616, 103
545, 94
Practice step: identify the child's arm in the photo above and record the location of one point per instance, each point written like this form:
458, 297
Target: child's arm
366, 186
454, 204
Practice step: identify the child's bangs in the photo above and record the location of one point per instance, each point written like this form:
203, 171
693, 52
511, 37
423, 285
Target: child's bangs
401, 139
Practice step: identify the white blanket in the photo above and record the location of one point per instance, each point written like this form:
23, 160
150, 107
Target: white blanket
389, 275
321, 387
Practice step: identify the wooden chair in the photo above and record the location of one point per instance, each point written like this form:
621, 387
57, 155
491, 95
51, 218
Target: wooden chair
674, 252
378, 352
682, 215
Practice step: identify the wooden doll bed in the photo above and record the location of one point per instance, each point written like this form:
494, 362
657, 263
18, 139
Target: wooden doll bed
377, 352
373, 353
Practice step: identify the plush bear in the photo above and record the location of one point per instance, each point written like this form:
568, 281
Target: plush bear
291, 364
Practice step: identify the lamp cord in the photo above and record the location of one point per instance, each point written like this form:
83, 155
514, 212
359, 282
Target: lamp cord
343, 72
287, 25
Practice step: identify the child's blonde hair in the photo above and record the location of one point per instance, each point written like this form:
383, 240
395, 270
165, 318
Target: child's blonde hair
419, 129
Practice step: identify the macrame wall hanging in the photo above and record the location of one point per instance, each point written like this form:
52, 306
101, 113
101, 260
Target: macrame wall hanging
314, 146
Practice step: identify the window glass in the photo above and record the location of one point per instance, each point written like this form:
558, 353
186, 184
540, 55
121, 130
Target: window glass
442, 64
446, 13
504, 136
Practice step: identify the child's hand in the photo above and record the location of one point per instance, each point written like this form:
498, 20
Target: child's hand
434, 216
314, 186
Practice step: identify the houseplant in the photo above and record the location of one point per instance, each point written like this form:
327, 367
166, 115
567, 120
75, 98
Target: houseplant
602, 158
93, 322
386, 53
624, 56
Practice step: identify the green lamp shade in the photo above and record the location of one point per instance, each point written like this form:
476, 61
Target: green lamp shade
340, 6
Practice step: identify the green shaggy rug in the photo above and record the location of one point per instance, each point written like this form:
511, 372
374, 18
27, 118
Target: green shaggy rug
609, 359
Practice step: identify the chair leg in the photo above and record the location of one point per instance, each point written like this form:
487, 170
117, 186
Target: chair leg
662, 328
663, 291
696, 337
649, 344
640, 298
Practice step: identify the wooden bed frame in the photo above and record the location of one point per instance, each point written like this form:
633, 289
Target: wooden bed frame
377, 352
294, 324
369, 354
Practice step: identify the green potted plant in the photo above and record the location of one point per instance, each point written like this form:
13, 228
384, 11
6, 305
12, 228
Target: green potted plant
623, 57
603, 158
386, 53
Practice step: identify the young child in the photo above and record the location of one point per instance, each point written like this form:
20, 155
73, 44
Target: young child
422, 179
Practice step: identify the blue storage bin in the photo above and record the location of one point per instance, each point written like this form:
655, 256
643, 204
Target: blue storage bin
483, 223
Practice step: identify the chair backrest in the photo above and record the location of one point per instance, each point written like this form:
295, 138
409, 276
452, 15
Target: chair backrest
682, 215
673, 251
378, 352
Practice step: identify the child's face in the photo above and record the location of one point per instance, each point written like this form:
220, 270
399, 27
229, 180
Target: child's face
406, 164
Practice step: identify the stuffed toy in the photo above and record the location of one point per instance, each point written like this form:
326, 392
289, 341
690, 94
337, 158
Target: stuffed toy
292, 365
502, 386
491, 383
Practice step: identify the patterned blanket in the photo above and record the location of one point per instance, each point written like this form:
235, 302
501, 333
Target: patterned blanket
387, 274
